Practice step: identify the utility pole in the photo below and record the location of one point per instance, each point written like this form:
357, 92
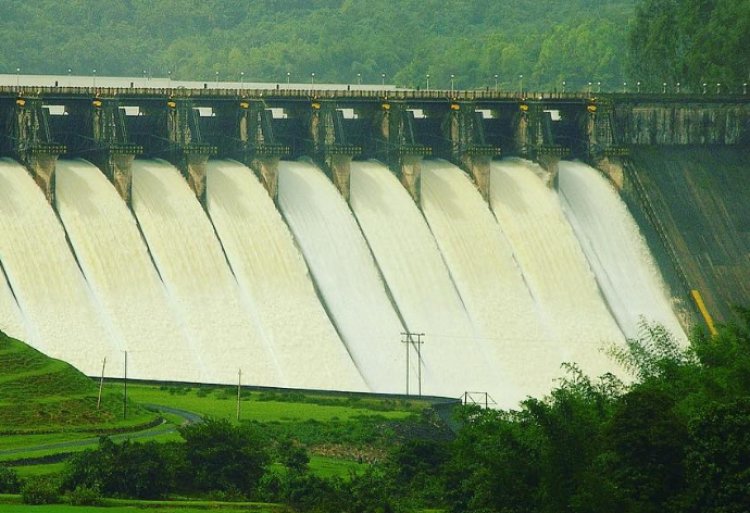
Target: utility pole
408, 340
239, 391
125, 397
101, 384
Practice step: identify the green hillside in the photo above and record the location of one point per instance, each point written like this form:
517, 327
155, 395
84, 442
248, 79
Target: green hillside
547, 41
38, 393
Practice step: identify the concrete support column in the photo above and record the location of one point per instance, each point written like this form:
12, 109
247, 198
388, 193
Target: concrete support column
119, 170
411, 176
195, 174
339, 168
42, 167
479, 167
267, 169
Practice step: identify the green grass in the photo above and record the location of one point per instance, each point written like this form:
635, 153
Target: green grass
325, 466
41, 394
221, 403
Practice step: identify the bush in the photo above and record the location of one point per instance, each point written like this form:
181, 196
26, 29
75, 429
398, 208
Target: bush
86, 496
9, 481
40, 491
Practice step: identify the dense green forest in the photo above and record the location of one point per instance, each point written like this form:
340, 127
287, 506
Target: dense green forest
534, 44
546, 41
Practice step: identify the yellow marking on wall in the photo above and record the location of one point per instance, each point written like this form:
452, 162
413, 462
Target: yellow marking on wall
704, 312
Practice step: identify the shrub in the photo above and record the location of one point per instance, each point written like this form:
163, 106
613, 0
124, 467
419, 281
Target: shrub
40, 491
9, 481
86, 496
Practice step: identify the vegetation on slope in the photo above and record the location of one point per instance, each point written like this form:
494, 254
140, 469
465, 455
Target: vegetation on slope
40, 394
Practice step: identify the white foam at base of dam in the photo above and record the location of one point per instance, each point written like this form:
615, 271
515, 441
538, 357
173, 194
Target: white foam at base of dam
526, 355
117, 267
408, 257
61, 317
553, 264
344, 272
618, 254
270, 270
197, 277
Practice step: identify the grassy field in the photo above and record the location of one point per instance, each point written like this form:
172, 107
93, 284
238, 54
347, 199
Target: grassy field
221, 403
41, 394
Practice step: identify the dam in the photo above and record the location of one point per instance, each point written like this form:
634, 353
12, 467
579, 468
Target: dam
437, 242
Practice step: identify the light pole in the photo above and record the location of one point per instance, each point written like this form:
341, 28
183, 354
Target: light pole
638, 86
598, 87
169, 78
382, 78
18, 77
125, 383
242, 79
520, 82
428, 81
217, 79
744, 88
563, 86
288, 77
312, 78
453, 82
678, 88
359, 78
664, 88
93, 74
718, 87
705, 85
624, 87
495, 82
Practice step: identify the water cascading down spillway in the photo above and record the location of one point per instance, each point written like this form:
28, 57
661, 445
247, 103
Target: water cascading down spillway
525, 353
61, 315
11, 322
272, 274
553, 264
192, 265
345, 273
117, 267
618, 254
419, 281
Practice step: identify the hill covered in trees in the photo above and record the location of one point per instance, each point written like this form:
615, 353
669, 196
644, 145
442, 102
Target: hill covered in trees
547, 42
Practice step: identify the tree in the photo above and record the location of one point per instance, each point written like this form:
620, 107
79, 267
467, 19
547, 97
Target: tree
221, 456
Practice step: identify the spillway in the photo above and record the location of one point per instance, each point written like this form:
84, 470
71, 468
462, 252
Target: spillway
271, 271
481, 262
618, 254
118, 268
61, 316
197, 277
345, 273
11, 322
553, 263
420, 283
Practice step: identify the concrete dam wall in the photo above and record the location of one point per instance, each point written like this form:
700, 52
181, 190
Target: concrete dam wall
430, 242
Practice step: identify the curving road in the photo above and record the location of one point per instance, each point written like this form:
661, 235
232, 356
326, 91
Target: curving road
163, 428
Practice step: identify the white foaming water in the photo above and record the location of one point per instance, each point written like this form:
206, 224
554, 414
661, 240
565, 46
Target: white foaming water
553, 264
270, 269
61, 317
345, 273
420, 282
490, 283
619, 256
197, 277
11, 321
115, 261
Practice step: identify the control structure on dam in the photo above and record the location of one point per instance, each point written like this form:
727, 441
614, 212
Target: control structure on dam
473, 166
